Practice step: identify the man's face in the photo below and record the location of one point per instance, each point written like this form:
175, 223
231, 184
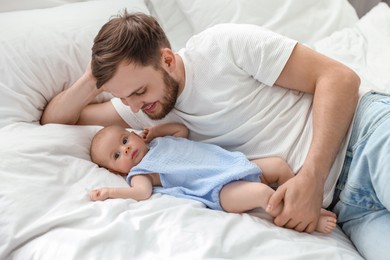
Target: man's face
148, 89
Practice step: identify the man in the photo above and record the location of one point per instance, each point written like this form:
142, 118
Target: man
238, 86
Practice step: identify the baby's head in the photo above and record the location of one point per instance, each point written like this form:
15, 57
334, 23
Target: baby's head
117, 149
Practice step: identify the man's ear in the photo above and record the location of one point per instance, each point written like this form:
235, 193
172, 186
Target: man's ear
168, 59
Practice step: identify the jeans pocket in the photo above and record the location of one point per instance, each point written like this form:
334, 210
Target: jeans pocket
361, 197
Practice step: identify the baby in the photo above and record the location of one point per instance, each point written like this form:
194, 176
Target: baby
163, 160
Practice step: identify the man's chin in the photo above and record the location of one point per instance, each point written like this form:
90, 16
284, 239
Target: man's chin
155, 116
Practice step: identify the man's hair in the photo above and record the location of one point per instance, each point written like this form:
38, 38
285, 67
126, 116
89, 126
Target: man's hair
131, 37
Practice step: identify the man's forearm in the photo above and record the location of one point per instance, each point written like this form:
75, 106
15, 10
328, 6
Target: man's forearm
66, 107
333, 110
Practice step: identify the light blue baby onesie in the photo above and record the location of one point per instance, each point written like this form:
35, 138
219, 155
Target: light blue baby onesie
194, 170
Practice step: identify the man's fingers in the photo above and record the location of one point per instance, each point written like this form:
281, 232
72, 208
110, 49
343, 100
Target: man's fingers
274, 203
282, 221
300, 227
275, 200
310, 228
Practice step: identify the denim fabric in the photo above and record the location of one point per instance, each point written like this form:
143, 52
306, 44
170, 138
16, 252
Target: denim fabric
362, 194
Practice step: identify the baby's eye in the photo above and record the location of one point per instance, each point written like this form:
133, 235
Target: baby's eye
124, 141
116, 155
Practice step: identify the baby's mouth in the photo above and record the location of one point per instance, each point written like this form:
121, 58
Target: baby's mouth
134, 154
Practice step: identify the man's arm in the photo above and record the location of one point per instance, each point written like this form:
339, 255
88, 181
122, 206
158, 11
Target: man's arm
335, 88
169, 129
74, 106
141, 189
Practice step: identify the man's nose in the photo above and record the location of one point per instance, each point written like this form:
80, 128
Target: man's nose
124, 101
134, 105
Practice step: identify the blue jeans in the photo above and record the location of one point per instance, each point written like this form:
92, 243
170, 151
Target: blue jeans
362, 195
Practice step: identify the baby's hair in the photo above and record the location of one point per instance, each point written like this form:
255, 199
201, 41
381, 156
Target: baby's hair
94, 151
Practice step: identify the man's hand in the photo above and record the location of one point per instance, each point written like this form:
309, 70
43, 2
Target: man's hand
69, 106
302, 198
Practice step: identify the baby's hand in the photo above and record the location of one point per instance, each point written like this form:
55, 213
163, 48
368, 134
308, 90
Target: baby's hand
99, 194
147, 134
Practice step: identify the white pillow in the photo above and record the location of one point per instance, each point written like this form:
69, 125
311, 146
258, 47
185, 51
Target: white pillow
174, 22
14, 5
43, 169
44, 51
304, 20
364, 48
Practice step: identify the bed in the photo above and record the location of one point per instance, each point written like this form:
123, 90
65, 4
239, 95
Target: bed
46, 172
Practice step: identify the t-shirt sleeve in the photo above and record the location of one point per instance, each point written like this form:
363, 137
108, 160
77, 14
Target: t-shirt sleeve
259, 51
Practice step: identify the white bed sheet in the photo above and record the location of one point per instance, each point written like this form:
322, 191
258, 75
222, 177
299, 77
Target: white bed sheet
46, 173
46, 212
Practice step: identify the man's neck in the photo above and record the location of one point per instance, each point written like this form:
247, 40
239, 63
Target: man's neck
180, 73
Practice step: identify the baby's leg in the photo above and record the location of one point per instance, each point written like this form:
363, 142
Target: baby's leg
274, 170
241, 196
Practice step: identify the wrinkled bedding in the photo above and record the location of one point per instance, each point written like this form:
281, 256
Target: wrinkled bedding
46, 172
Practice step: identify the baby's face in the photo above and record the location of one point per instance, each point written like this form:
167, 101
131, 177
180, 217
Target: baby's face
120, 150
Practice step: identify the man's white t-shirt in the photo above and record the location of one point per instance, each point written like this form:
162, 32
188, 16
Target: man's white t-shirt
230, 99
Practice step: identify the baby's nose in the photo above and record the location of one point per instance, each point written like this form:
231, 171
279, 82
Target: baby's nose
127, 149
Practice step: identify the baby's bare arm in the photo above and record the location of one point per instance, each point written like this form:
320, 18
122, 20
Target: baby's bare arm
170, 129
140, 189
274, 170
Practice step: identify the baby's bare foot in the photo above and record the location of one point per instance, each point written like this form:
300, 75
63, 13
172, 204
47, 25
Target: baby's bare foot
327, 222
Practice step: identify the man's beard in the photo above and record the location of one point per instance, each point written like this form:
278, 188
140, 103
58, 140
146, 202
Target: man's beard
170, 96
